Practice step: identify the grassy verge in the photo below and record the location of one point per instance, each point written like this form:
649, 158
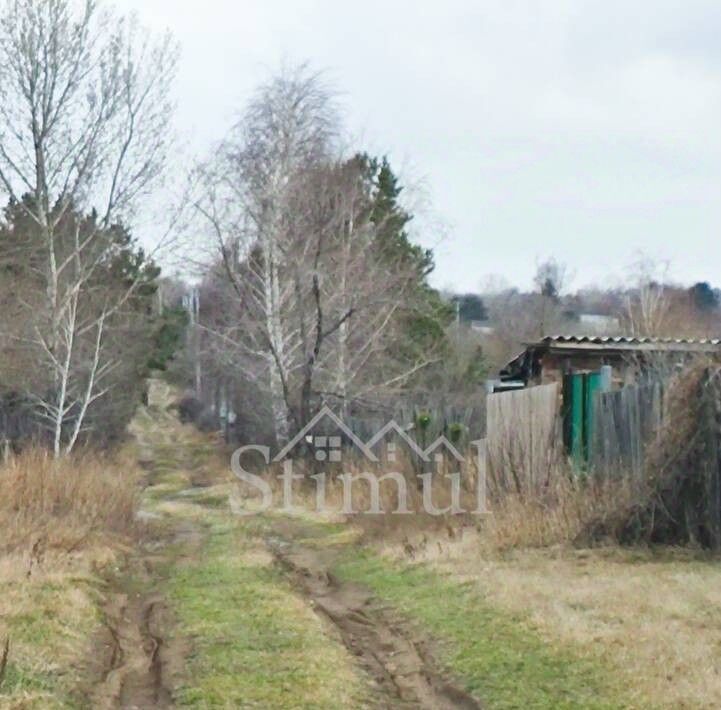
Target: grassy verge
64, 526
654, 616
48, 619
500, 657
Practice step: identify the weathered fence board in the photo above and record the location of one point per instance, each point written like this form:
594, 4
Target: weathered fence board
624, 422
522, 434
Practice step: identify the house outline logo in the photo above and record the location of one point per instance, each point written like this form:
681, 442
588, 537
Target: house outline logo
395, 427
366, 449
325, 412
331, 450
443, 441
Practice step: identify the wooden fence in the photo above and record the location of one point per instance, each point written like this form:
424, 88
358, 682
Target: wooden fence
522, 438
692, 491
678, 432
461, 424
624, 422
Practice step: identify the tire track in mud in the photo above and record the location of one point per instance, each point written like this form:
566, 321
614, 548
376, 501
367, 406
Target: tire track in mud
404, 670
139, 657
136, 675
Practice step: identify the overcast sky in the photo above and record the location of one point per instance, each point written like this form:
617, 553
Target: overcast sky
586, 130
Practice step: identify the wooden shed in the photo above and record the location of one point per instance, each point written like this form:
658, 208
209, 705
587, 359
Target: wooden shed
549, 359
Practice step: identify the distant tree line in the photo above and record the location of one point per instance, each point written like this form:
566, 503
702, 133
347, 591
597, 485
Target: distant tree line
648, 304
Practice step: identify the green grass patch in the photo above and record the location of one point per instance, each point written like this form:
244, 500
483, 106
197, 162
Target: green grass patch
255, 643
212, 500
499, 656
44, 643
23, 689
19, 680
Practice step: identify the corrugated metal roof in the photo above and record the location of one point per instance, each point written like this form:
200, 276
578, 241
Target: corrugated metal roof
627, 340
570, 345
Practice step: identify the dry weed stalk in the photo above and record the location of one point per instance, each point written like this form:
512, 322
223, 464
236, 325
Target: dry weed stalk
62, 504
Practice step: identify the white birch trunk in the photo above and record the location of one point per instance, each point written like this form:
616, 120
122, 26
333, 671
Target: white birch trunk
276, 358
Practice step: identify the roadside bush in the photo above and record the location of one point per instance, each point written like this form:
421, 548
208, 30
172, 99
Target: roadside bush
189, 409
573, 510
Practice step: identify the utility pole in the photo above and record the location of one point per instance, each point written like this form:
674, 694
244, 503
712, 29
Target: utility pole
191, 302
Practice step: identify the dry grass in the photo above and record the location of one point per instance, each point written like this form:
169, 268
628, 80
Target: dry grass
571, 510
63, 504
64, 524
568, 509
653, 616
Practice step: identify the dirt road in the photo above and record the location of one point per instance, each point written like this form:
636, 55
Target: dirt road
139, 656
140, 659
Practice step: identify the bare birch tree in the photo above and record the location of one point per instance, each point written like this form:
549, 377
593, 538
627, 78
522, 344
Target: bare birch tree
648, 306
84, 111
288, 126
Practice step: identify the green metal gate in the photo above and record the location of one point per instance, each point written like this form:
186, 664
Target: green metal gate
579, 389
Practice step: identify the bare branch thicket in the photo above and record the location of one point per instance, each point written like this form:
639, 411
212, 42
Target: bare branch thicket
84, 114
350, 295
308, 305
